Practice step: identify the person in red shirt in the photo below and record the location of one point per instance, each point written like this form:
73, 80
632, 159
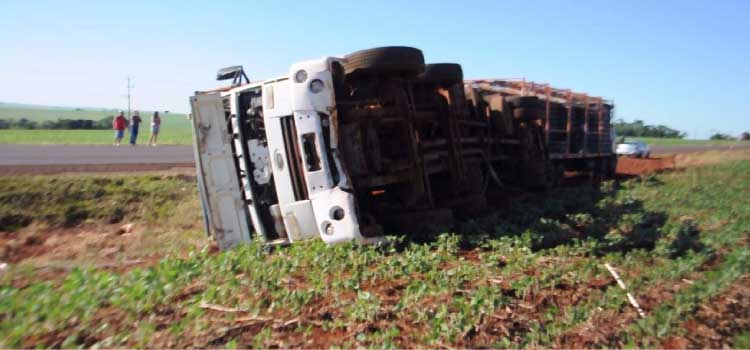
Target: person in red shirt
118, 125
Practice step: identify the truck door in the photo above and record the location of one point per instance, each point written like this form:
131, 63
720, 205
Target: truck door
218, 182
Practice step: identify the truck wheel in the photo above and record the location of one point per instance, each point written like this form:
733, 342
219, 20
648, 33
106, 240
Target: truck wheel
598, 169
612, 167
389, 59
443, 72
559, 173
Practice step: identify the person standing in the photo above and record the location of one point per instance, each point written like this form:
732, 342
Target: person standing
118, 125
155, 124
134, 123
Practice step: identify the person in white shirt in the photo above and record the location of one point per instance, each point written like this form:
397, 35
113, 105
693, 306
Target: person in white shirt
155, 124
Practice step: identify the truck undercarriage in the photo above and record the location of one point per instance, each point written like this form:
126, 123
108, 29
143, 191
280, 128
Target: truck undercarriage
403, 146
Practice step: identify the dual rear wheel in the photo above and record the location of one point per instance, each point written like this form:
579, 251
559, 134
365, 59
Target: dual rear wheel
401, 61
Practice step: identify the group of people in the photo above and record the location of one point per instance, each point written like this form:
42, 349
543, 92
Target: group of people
120, 123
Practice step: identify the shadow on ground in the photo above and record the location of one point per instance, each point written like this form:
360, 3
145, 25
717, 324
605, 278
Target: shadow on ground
608, 214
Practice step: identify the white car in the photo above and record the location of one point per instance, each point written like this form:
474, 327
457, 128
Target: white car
637, 149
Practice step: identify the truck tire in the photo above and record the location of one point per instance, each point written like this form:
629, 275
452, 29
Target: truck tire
598, 169
389, 59
443, 72
556, 174
611, 167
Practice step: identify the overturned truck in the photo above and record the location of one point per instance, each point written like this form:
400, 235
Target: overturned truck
378, 142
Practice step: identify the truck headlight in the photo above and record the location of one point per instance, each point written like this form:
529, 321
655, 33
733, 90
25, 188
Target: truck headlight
300, 76
316, 86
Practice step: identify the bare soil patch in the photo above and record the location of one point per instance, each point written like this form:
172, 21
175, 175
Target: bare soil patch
53, 252
642, 166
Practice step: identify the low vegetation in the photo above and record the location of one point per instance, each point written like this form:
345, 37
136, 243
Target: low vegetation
721, 136
61, 124
68, 201
529, 275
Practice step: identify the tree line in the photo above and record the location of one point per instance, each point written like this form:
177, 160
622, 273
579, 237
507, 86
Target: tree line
60, 124
640, 129
745, 136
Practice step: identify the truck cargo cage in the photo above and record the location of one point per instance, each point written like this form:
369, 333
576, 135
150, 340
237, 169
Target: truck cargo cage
567, 115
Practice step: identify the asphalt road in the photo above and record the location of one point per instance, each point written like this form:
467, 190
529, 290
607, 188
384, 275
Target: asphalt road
104, 154
93, 154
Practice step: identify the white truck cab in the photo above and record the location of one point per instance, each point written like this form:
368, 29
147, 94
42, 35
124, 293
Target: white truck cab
281, 148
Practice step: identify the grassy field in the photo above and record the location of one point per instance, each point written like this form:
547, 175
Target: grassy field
177, 135
654, 141
529, 275
42, 113
70, 200
176, 128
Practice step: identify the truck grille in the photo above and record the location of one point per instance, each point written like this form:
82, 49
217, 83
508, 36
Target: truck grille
294, 159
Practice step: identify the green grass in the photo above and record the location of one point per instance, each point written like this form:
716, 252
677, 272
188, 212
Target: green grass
170, 135
175, 129
655, 141
525, 276
42, 113
71, 200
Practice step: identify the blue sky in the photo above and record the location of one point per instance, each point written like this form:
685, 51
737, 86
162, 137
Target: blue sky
680, 63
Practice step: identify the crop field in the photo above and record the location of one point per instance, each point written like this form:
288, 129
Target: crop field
529, 274
177, 135
42, 113
176, 128
656, 141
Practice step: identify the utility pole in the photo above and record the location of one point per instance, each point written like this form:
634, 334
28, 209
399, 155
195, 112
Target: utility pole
129, 88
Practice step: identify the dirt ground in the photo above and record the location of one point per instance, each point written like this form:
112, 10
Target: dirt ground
715, 321
638, 166
641, 166
53, 252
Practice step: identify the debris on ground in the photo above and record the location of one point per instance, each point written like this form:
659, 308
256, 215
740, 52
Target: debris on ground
622, 285
127, 228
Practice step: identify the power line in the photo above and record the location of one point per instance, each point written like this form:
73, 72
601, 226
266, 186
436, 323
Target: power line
129, 87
